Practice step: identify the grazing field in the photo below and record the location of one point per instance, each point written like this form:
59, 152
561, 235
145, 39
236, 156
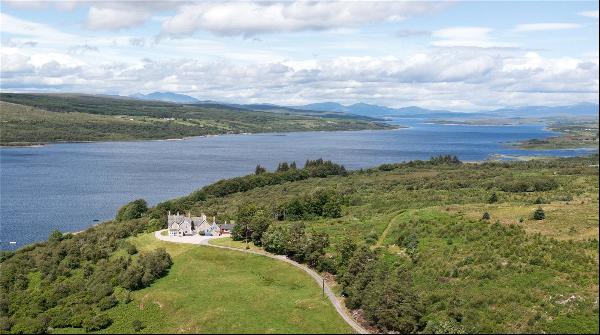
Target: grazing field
42, 118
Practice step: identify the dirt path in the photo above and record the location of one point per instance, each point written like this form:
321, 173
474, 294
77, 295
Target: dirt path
381, 238
336, 303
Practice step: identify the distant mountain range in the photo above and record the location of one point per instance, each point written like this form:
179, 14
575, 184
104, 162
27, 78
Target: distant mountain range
166, 96
370, 111
582, 109
382, 111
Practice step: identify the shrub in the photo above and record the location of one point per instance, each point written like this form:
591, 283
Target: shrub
131, 249
386, 167
320, 203
28, 326
132, 210
5, 323
411, 244
96, 322
444, 159
55, 236
539, 214
156, 224
137, 325
493, 198
107, 302
252, 223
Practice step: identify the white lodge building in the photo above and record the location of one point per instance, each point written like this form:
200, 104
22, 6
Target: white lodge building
186, 225
182, 225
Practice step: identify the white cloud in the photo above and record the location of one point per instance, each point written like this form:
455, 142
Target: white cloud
589, 13
545, 26
16, 26
477, 37
448, 78
115, 17
405, 33
468, 68
13, 61
252, 18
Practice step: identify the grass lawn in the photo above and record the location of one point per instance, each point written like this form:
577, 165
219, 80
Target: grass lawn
209, 290
228, 242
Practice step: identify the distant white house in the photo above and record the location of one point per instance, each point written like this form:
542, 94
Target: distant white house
186, 225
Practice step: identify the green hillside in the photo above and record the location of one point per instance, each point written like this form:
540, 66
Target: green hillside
508, 273
426, 246
43, 118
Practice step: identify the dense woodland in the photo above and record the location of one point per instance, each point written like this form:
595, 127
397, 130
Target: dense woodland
408, 244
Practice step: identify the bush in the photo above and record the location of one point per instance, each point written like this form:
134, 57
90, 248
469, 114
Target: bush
137, 325
386, 167
131, 249
156, 224
391, 303
28, 326
493, 198
325, 203
96, 322
107, 302
444, 159
132, 210
537, 184
539, 214
275, 239
252, 222
5, 324
55, 236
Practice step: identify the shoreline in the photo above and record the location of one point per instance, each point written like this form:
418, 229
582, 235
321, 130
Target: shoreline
44, 144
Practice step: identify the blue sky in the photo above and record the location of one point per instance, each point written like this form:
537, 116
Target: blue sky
461, 55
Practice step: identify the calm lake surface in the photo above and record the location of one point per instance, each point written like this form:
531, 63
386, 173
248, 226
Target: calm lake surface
68, 186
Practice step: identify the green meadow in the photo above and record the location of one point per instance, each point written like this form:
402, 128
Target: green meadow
210, 290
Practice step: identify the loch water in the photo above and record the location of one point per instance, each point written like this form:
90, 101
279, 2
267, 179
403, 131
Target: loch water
71, 186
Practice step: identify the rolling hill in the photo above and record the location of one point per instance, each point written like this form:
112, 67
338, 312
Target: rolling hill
43, 118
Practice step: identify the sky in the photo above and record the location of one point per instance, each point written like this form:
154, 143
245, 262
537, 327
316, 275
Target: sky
457, 55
